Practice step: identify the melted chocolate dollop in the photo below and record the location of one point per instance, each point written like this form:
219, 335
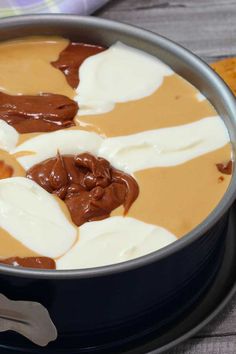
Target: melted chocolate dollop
30, 262
90, 186
43, 113
72, 57
225, 168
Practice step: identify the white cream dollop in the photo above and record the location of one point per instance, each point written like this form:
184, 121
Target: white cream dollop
33, 217
113, 240
154, 148
47, 145
119, 74
8, 136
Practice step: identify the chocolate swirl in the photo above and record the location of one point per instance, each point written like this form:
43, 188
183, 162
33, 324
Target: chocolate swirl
90, 186
225, 168
30, 262
43, 113
72, 57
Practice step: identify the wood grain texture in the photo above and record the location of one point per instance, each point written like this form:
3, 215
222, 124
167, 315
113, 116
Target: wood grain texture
208, 28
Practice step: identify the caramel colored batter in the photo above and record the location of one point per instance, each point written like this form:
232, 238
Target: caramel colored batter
174, 103
10, 247
25, 66
11, 161
179, 198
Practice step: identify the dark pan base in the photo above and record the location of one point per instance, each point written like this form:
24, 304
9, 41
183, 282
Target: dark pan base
218, 294
216, 298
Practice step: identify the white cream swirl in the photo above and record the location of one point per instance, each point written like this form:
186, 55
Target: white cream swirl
119, 74
113, 240
154, 148
33, 217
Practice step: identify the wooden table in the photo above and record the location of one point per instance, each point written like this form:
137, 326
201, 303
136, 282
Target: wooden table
208, 28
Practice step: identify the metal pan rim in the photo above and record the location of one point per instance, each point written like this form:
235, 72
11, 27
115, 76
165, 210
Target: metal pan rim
198, 65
